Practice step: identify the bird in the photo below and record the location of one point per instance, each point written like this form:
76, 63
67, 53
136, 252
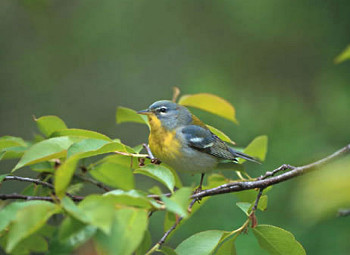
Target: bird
182, 141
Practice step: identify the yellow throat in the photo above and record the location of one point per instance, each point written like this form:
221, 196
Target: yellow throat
162, 142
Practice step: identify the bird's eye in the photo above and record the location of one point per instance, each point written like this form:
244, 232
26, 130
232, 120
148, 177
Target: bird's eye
163, 109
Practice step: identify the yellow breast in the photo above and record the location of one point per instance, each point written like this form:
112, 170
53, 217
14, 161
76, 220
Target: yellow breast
162, 142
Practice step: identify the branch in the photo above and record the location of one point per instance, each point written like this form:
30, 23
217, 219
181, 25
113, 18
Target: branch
252, 216
171, 229
343, 212
261, 183
92, 181
26, 179
153, 159
257, 199
35, 181
50, 199
264, 182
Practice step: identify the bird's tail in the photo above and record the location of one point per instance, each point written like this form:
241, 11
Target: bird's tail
244, 156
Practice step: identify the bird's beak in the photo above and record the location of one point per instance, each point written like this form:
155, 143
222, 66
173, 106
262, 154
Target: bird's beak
145, 112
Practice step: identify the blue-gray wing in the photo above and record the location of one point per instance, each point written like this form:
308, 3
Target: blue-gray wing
204, 140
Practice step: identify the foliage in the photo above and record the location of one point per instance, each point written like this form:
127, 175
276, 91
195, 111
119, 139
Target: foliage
344, 55
117, 221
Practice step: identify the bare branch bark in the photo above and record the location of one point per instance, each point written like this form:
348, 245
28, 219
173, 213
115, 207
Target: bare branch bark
171, 229
261, 183
343, 212
26, 179
23, 197
265, 182
35, 181
92, 181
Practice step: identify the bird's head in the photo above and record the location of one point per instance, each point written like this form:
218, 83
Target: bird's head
168, 114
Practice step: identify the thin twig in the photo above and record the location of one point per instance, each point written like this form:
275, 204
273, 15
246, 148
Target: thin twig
257, 199
158, 197
35, 181
171, 229
131, 154
162, 240
149, 152
23, 197
92, 181
153, 159
263, 183
26, 179
252, 217
272, 173
343, 212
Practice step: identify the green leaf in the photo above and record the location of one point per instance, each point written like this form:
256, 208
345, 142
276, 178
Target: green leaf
257, 148
210, 103
169, 221
247, 206
12, 152
83, 149
215, 180
221, 135
48, 149
128, 228
2, 153
202, 243
12, 147
92, 147
263, 203
71, 234
131, 198
167, 250
11, 141
128, 115
73, 210
227, 247
116, 173
98, 211
64, 174
8, 214
244, 206
43, 167
345, 55
28, 220
138, 148
145, 244
179, 201
159, 173
49, 124
277, 241
81, 133
86, 145
32, 244
178, 182
2, 177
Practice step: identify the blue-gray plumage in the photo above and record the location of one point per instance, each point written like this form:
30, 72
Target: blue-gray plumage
192, 147
204, 140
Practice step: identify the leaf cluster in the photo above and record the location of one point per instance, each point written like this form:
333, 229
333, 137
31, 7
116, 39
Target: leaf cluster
116, 220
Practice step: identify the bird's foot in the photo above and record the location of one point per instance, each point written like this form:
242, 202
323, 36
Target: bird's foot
197, 190
156, 161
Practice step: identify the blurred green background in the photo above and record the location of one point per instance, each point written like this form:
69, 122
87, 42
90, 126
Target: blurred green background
273, 60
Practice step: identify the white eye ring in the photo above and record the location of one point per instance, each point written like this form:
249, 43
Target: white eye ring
163, 110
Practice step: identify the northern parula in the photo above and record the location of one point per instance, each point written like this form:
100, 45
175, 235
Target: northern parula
179, 139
